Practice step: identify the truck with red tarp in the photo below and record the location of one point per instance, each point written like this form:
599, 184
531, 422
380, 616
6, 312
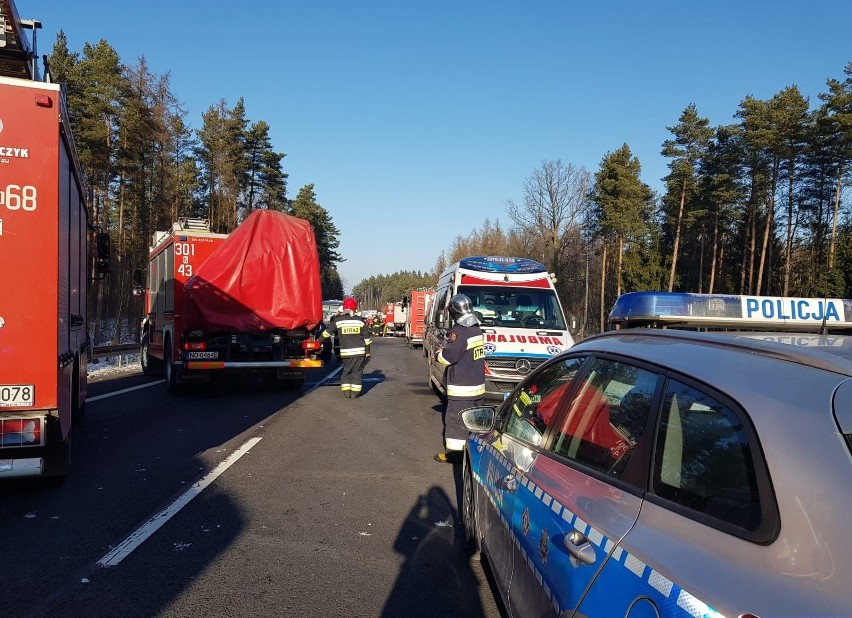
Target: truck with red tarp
247, 302
44, 233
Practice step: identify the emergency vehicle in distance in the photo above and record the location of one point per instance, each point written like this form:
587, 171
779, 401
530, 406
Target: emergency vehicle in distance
394, 319
44, 232
519, 312
695, 461
248, 302
415, 316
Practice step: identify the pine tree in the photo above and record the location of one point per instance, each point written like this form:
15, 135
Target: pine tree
692, 136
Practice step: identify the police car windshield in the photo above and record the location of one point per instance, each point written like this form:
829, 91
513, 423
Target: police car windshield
515, 307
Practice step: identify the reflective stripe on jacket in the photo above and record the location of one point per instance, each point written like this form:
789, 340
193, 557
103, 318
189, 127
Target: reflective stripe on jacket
352, 332
464, 357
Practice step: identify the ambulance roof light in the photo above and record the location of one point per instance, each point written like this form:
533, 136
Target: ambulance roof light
730, 312
502, 264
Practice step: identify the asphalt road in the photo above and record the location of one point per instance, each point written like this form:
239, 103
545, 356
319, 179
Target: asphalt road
239, 500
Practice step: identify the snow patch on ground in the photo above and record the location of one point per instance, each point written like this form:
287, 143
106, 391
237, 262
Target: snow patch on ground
114, 366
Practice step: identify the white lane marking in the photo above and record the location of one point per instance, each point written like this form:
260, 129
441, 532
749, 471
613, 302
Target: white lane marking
126, 390
137, 537
333, 374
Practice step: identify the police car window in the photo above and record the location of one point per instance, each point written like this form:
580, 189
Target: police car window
703, 459
536, 403
607, 417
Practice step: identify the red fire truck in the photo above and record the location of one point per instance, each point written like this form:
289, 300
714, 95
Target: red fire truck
44, 342
248, 302
415, 316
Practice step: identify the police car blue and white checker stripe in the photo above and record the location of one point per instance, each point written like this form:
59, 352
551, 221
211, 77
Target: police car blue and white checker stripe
673, 600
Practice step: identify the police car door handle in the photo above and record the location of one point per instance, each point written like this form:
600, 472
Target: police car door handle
582, 552
509, 483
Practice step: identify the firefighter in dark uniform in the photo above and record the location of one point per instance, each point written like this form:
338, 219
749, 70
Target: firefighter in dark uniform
351, 330
464, 357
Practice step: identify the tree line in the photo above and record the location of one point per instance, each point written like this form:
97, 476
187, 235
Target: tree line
146, 167
756, 206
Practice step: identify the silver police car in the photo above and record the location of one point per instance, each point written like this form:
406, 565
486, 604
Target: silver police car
659, 472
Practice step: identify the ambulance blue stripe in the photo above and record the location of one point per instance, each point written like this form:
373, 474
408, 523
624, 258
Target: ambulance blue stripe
631, 565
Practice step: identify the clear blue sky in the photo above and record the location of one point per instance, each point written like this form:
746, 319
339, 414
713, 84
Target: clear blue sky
416, 121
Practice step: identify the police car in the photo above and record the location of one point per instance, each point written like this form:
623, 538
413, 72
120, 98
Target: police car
675, 467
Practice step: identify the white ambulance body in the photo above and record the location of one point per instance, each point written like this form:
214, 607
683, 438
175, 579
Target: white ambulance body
519, 312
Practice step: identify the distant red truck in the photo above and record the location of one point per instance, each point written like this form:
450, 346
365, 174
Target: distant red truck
415, 316
249, 302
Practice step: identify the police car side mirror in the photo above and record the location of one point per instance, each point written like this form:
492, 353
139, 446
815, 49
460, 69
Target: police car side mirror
479, 420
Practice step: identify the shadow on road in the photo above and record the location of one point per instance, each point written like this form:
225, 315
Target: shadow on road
437, 578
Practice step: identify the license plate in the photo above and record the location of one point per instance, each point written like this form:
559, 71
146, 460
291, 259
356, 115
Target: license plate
17, 395
202, 355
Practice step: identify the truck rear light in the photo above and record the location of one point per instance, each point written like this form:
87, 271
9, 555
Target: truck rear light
311, 345
43, 100
20, 431
195, 345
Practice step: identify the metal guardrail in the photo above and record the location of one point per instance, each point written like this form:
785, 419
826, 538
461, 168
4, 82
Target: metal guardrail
103, 351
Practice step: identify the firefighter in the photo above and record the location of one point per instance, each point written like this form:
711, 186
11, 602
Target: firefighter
351, 331
464, 357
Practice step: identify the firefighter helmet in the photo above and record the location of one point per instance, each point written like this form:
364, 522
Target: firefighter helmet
461, 310
350, 304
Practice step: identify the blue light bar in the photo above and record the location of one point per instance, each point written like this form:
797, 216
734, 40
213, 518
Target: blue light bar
502, 264
684, 310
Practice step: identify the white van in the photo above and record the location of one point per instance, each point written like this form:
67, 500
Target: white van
518, 310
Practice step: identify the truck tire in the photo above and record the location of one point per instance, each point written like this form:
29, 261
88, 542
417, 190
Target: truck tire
151, 365
78, 409
170, 370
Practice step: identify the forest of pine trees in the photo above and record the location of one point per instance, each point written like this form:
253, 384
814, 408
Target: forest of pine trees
145, 168
758, 206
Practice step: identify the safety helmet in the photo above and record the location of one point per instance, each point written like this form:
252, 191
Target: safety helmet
461, 310
350, 304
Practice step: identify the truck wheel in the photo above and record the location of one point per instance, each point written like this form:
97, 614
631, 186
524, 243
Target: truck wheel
151, 365
78, 409
170, 370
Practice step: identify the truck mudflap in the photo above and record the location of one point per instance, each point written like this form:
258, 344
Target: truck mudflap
215, 365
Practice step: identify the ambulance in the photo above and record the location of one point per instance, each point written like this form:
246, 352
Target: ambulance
515, 302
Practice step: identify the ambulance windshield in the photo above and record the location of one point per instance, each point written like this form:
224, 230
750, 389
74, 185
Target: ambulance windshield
515, 307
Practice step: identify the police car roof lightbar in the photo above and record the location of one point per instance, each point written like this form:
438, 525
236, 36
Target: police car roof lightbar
731, 312
502, 264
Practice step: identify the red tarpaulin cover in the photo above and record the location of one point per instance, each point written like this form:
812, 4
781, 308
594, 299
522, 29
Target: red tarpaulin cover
264, 275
